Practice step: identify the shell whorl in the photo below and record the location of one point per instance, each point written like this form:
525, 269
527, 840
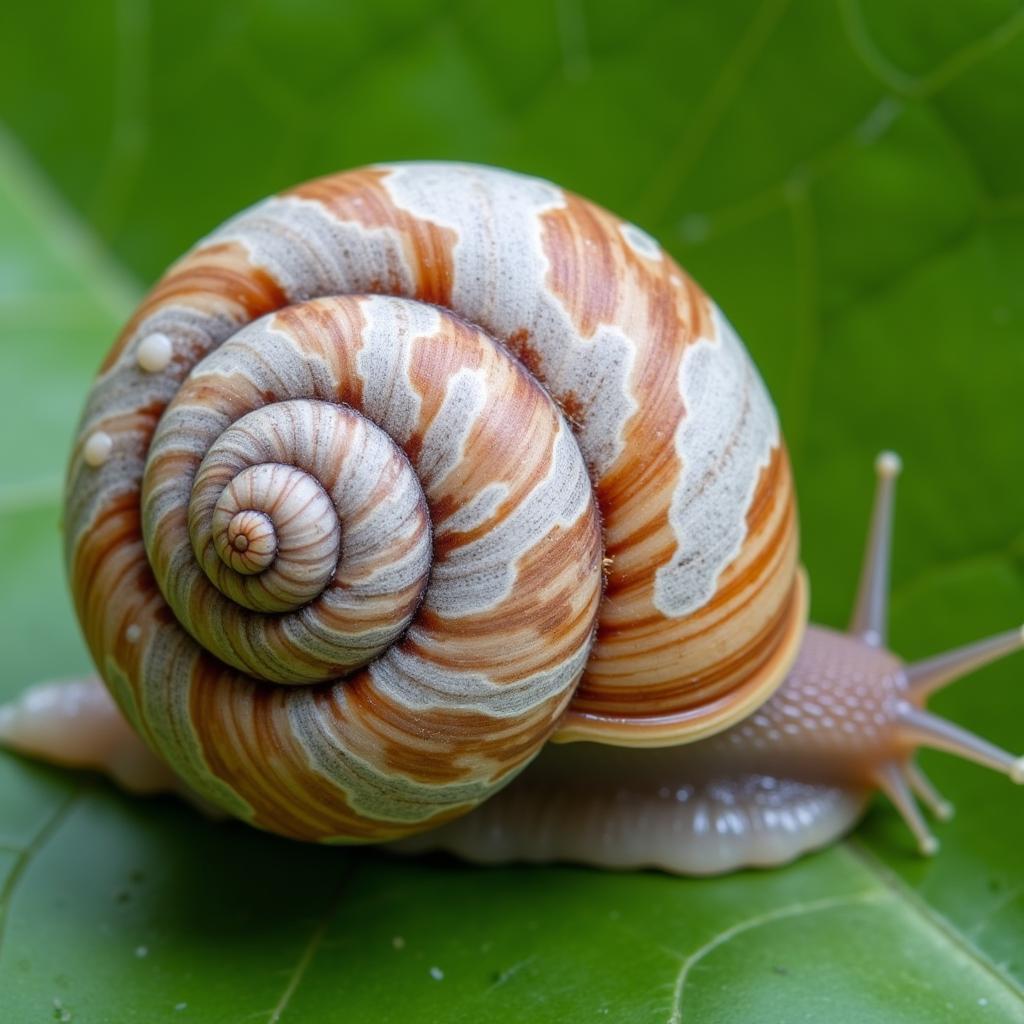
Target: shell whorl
301, 475
341, 560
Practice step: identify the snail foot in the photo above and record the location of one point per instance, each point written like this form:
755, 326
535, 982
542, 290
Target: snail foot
76, 724
626, 808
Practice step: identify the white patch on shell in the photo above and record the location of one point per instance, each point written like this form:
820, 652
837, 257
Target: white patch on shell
379, 794
388, 395
310, 253
724, 441
500, 283
640, 242
386, 795
475, 512
478, 576
163, 714
444, 442
416, 682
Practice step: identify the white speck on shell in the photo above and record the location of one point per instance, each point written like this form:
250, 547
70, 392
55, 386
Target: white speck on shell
133, 633
154, 352
97, 449
640, 242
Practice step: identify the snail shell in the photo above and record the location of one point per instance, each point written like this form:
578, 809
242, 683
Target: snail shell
402, 473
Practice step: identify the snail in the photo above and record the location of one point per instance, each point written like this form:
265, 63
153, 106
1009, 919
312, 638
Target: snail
432, 504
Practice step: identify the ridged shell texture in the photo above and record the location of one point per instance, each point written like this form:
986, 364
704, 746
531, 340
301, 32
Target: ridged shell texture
400, 474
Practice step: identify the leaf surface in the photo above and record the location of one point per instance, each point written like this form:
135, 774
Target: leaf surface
846, 179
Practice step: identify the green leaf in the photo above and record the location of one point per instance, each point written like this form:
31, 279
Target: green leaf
846, 179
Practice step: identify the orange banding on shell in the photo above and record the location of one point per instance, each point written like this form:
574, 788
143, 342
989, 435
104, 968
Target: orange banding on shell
374, 445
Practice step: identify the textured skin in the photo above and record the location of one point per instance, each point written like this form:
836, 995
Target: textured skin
202, 540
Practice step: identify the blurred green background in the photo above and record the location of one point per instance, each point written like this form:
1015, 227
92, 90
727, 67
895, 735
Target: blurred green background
845, 178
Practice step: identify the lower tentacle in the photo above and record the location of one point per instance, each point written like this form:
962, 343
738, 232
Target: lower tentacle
919, 727
925, 791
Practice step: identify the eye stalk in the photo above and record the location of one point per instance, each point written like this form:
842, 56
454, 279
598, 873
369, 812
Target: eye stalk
900, 778
870, 621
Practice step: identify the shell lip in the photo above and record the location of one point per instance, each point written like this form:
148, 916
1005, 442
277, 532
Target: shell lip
696, 723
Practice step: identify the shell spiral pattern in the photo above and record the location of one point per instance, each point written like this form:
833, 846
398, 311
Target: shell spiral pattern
400, 474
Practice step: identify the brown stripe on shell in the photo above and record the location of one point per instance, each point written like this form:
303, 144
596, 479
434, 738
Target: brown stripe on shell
707, 718
758, 624
217, 280
245, 736
640, 664
361, 198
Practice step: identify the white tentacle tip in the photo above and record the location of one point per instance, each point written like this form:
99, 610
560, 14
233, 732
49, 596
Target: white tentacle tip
154, 352
1017, 771
945, 811
929, 846
888, 465
98, 447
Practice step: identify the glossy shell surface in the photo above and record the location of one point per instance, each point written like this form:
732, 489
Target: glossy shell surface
408, 470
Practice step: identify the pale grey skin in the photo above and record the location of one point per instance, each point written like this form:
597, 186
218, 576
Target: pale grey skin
792, 777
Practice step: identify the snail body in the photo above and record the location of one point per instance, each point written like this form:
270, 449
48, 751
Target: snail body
401, 475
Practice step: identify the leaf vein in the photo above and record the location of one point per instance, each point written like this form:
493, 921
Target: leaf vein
759, 921
39, 840
926, 85
927, 915
692, 142
308, 953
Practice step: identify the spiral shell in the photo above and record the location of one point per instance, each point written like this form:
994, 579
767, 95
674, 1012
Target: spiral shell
399, 474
